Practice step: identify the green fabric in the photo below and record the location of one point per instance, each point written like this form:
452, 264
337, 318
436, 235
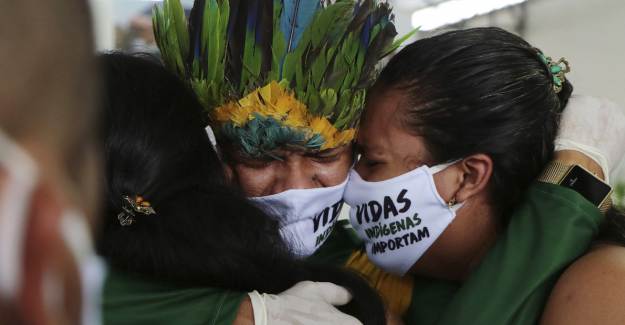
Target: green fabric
133, 300
547, 232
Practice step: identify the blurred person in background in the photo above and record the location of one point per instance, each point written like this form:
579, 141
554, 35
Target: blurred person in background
48, 166
138, 37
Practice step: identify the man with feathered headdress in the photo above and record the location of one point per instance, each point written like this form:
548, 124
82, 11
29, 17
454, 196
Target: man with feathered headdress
283, 83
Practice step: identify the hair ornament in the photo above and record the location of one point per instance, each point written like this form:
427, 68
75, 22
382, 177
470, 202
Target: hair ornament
132, 206
557, 69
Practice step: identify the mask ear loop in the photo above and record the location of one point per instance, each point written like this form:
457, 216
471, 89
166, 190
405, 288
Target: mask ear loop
440, 167
453, 203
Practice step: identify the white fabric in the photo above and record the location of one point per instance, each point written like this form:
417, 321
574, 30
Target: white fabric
595, 127
306, 303
399, 218
307, 216
21, 178
77, 236
211, 136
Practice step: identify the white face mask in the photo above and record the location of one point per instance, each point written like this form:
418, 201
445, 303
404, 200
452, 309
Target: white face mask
15, 197
307, 216
399, 218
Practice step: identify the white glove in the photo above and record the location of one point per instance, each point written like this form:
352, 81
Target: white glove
306, 303
595, 127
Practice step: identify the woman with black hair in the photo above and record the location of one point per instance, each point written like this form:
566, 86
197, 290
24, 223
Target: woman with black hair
183, 246
454, 134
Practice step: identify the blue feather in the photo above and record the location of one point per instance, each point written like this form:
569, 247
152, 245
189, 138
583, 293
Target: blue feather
252, 16
296, 15
197, 51
366, 32
195, 28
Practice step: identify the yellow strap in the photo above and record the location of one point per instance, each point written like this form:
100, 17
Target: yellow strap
396, 291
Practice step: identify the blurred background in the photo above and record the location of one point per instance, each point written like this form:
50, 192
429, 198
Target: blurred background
590, 34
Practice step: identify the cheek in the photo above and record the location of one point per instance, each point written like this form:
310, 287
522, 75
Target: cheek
254, 181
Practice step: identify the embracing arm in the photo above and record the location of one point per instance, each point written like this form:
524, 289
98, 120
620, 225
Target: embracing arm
245, 314
591, 291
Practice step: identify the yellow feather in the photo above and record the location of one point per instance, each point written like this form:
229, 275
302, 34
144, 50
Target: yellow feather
279, 103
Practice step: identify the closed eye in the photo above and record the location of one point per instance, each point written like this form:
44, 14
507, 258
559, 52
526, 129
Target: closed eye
327, 156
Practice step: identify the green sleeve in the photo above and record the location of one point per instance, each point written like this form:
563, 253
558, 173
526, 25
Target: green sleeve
133, 300
549, 230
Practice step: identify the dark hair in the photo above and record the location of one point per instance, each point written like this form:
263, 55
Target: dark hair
204, 233
481, 90
612, 229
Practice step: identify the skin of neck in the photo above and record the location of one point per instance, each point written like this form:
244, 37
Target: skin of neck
463, 245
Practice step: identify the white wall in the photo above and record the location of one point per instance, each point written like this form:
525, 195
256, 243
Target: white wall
589, 33
103, 28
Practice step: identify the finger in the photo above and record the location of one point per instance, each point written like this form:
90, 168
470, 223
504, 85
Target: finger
300, 289
332, 293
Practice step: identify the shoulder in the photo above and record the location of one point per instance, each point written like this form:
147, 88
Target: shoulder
591, 290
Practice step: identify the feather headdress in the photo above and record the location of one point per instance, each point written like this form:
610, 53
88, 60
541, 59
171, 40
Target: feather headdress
275, 73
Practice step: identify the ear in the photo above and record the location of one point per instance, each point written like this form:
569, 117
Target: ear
476, 171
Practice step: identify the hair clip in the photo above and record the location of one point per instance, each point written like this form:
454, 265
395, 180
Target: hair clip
557, 69
132, 206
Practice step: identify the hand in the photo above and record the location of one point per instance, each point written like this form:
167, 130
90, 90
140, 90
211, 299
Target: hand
596, 128
306, 303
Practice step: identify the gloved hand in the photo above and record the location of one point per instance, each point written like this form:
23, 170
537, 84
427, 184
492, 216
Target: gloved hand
595, 127
306, 303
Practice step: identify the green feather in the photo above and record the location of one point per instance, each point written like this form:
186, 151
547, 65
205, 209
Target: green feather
171, 34
329, 69
278, 44
398, 42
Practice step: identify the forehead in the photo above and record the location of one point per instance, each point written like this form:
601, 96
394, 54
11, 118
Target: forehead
281, 153
382, 131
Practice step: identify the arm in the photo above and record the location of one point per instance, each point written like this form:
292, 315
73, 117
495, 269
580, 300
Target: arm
245, 314
591, 291
578, 158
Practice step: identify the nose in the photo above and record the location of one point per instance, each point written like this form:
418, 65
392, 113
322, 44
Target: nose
295, 174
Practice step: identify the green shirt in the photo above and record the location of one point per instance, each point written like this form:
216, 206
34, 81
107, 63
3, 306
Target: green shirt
136, 300
547, 232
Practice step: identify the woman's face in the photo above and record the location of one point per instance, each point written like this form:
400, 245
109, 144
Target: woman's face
290, 170
387, 149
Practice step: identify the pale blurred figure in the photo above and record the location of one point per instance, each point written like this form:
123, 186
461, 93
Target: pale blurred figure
48, 166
